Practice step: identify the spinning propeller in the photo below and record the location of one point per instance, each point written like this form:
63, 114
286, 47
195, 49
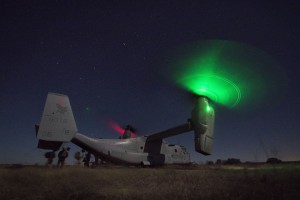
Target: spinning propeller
229, 73
126, 132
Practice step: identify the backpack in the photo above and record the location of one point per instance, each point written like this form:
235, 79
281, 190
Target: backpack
50, 154
64, 154
47, 155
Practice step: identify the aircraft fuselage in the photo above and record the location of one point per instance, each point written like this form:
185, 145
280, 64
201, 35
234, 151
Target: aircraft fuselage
135, 151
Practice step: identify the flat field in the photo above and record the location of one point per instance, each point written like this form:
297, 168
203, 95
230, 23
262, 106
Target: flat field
197, 182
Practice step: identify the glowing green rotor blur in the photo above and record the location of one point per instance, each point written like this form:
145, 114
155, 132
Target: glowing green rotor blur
216, 88
228, 73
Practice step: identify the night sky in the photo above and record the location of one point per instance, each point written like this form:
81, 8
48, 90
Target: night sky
107, 56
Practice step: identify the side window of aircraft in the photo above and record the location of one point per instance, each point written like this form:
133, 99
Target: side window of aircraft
175, 150
141, 147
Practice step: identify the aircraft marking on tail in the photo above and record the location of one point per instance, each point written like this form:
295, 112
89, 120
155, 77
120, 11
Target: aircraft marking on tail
54, 120
61, 109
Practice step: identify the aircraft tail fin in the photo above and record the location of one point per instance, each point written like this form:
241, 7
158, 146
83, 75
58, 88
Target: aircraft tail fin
58, 124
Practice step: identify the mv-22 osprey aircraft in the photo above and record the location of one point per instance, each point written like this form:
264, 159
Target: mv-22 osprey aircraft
58, 126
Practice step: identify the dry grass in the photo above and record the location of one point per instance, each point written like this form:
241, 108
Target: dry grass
281, 182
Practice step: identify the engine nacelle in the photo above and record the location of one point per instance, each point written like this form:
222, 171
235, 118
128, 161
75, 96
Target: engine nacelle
128, 132
203, 117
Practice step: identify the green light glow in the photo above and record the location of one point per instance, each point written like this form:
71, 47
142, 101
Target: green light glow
218, 89
208, 108
228, 73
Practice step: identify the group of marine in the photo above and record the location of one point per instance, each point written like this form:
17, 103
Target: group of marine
82, 157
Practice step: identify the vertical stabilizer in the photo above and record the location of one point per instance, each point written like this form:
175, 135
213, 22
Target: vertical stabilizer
58, 123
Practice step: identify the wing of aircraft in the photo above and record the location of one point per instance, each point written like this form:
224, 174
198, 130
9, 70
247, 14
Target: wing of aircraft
202, 123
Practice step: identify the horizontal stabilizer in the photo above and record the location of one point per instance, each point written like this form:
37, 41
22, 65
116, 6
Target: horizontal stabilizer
42, 144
